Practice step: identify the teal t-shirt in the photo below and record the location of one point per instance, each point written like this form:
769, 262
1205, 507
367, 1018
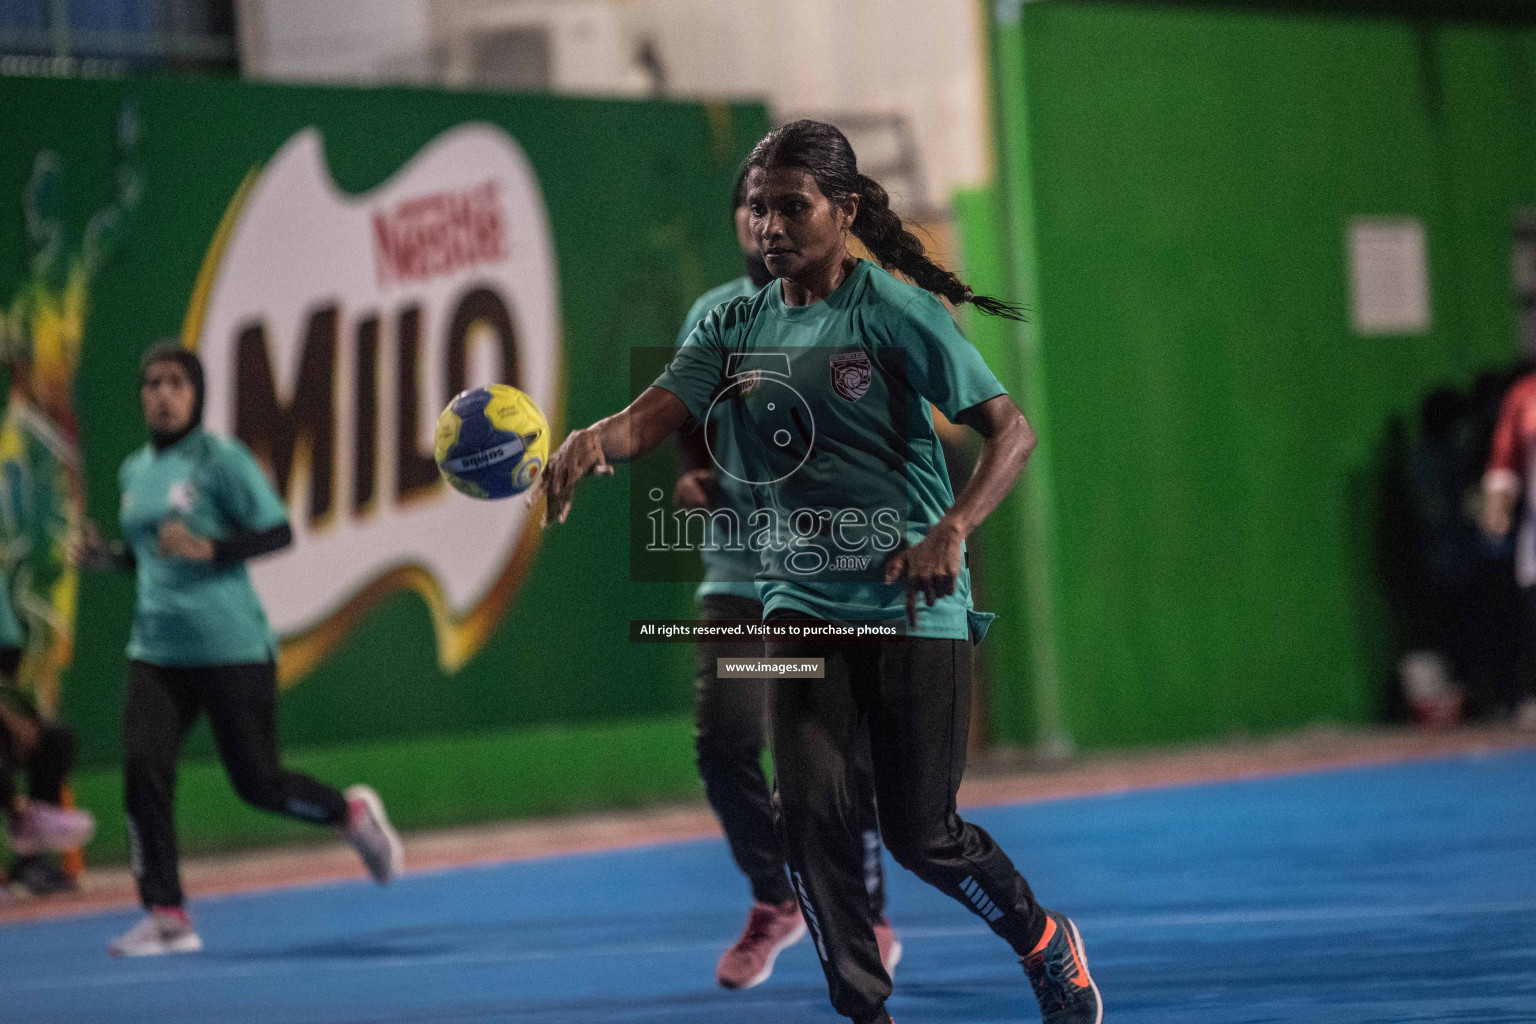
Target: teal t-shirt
828, 404
730, 566
196, 613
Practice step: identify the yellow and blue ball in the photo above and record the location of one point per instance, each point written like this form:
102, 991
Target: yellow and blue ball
492, 442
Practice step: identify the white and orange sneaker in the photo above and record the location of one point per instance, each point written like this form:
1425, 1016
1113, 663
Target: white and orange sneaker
371, 835
163, 930
770, 930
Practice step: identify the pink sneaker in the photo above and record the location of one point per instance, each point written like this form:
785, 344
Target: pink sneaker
890, 947
48, 828
770, 929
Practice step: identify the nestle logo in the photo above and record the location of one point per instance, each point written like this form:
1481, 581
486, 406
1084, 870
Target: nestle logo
439, 234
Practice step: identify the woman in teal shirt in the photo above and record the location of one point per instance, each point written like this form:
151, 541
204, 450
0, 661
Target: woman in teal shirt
195, 506
731, 715
826, 376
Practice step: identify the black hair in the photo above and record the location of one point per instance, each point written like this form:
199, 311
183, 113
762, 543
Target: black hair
173, 352
739, 186
823, 151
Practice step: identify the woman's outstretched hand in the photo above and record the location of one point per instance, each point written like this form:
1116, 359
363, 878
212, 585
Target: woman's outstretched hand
626, 435
580, 455
930, 567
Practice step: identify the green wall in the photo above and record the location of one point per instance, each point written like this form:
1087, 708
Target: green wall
1182, 181
637, 195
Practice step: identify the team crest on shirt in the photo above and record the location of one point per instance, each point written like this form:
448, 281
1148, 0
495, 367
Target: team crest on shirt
850, 375
181, 496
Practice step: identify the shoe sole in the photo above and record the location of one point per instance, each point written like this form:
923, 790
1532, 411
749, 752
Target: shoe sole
186, 944
1082, 954
375, 807
773, 954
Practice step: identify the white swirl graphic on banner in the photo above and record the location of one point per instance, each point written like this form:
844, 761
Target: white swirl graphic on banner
335, 329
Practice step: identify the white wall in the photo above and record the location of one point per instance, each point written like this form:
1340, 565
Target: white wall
920, 59
588, 50
333, 40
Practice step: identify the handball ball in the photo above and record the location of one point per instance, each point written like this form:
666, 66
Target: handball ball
492, 442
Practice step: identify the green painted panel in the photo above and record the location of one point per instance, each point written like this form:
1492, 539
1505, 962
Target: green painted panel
998, 547
1216, 423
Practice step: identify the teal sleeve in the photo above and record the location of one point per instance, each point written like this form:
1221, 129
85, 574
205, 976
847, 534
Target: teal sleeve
942, 365
698, 369
696, 312
243, 492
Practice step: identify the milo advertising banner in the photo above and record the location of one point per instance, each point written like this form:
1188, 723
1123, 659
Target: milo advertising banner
441, 278
345, 261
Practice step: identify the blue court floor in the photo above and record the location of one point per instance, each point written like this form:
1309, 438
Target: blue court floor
1389, 894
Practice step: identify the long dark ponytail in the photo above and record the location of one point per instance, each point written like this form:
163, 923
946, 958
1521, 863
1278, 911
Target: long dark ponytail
823, 151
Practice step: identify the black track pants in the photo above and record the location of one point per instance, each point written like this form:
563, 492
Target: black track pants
731, 728
914, 696
241, 703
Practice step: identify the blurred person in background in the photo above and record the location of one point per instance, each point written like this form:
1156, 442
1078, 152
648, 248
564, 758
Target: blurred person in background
732, 716
37, 823
39, 489
195, 506
897, 340
42, 487
1511, 477
1444, 591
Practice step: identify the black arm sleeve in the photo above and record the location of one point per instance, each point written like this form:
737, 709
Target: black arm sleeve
249, 545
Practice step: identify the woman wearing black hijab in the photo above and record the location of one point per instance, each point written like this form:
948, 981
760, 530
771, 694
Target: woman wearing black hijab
195, 507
